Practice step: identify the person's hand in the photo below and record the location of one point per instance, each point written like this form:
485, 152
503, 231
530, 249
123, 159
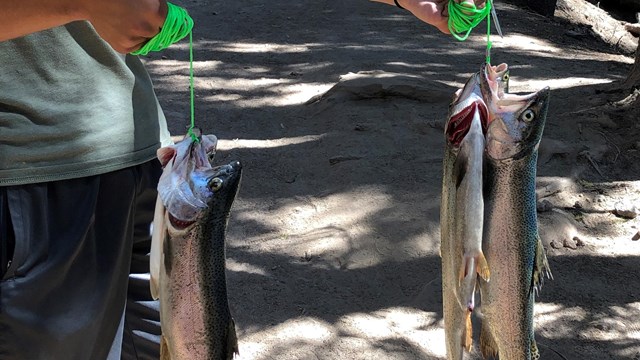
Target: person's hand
435, 12
126, 24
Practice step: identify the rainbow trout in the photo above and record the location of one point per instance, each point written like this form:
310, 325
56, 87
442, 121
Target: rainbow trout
511, 242
188, 252
461, 215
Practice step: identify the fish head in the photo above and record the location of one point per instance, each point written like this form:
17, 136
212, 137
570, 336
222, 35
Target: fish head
224, 182
466, 105
516, 122
189, 181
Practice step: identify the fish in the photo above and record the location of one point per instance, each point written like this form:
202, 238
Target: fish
461, 215
511, 240
187, 259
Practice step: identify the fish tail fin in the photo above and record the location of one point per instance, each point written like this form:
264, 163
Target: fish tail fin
541, 268
164, 349
468, 333
232, 340
535, 353
488, 346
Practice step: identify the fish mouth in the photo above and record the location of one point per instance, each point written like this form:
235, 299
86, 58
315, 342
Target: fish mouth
497, 101
235, 171
180, 224
234, 167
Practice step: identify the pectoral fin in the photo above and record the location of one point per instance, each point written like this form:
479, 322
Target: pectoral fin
540, 268
475, 263
483, 267
232, 341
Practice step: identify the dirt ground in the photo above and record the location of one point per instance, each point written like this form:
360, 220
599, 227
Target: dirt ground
336, 110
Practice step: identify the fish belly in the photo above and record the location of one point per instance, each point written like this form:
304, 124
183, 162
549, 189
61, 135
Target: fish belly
181, 303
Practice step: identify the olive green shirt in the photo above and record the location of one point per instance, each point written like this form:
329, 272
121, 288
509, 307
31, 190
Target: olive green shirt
70, 106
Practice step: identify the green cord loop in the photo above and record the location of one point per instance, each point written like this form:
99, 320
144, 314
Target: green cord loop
465, 16
488, 53
177, 26
193, 122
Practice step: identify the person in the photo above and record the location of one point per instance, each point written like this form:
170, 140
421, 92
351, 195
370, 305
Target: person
79, 128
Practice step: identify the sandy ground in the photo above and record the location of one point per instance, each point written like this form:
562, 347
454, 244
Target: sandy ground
336, 109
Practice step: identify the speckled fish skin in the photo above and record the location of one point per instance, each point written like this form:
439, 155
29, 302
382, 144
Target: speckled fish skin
461, 215
194, 311
511, 242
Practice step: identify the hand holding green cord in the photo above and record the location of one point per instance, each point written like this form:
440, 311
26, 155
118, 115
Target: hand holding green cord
124, 24
177, 26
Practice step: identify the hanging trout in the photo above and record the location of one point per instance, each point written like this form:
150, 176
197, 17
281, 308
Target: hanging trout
461, 215
188, 252
511, 242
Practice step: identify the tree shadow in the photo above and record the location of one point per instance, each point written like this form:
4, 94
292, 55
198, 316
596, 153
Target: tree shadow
377, 260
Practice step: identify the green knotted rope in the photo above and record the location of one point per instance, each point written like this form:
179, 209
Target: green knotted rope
177, 26
465, 16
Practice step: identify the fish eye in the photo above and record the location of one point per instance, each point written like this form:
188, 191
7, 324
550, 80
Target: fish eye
215, 184
528, 115
505, 77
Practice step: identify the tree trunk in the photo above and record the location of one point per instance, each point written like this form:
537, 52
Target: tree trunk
633, 81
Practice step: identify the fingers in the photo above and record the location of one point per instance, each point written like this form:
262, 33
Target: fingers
164, 10
129, 45
157, 21
444, 28
151, 23
125, 24
478, 3
138, 45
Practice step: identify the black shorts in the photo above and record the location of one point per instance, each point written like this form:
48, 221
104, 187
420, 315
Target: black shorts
65, 257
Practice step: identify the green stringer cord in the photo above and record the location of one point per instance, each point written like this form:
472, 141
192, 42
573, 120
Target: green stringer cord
177, 26
465, 16
193, 121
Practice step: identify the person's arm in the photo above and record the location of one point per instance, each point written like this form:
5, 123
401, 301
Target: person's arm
124, 24
433, 12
